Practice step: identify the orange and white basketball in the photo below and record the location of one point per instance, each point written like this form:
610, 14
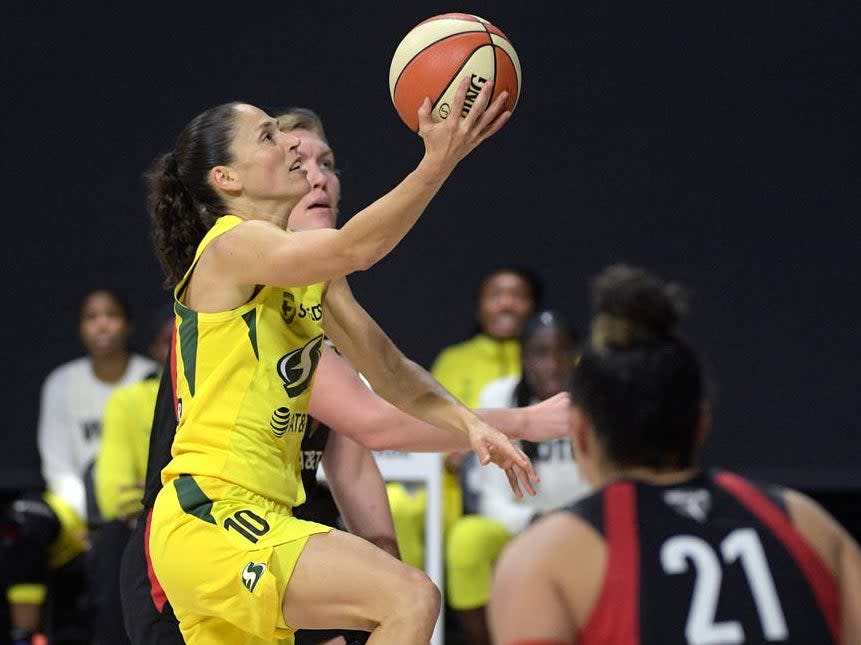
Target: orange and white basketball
438, 52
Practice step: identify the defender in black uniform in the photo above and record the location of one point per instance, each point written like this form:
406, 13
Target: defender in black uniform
664, 553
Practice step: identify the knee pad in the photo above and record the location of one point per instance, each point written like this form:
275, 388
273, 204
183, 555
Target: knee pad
36, 519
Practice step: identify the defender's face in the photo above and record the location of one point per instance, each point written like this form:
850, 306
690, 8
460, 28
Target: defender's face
319, 207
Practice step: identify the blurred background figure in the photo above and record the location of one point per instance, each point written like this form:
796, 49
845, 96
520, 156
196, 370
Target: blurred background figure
505, 297
548, 346
54, 528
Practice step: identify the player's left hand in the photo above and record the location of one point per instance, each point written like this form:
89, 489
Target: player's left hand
490, 445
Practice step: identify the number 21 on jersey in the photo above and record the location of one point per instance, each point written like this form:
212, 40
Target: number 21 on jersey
681, 551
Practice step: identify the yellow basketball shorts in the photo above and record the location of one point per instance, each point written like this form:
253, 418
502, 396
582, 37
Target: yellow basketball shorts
224, 557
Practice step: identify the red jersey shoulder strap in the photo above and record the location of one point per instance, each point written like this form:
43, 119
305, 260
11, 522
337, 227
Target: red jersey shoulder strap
616, 617
821, 580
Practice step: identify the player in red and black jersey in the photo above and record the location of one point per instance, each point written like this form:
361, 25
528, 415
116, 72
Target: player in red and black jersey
665, 552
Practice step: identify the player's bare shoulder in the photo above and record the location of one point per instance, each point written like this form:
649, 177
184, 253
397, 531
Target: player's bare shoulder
815, 524
566, 549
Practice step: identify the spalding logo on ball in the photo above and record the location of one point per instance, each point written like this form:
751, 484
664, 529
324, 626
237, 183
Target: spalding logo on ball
436, 54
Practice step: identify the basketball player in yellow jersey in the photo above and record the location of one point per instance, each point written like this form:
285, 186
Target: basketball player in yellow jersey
240, 372
252, 307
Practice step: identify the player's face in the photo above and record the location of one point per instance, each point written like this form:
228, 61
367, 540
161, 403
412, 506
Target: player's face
548, 358
318, 208
104, 327
267, 162
504, 304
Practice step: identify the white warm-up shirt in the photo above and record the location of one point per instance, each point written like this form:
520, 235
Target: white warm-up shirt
70, 423
561, 482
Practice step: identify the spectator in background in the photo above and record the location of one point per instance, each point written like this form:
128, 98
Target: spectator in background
664, 551
74, 397
118, 477
55, 526
506, 296
548, 345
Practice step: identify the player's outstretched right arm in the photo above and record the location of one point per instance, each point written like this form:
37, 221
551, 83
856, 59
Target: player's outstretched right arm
258, 252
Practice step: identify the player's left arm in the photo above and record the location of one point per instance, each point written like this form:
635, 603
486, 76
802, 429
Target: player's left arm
408, 386
347, 405
527, 605
360, 492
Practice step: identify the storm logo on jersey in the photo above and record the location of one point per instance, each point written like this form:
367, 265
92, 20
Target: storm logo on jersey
296, 368
251, 574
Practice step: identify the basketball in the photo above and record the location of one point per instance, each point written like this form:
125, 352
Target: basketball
437, 53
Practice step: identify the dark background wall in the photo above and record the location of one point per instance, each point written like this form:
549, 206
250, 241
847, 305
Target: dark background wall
716, 143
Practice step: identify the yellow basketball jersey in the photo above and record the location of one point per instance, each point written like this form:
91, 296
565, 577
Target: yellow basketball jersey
243, 380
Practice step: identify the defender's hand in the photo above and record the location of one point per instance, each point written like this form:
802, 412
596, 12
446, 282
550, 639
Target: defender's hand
549, 419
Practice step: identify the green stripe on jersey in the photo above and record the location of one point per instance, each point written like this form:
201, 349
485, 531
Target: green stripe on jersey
188, 344
192, 499
250, 319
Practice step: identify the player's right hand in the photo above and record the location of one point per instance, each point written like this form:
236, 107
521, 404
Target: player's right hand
450, 140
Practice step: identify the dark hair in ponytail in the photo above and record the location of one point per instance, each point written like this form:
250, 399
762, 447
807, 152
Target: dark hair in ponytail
182, 203
641, 385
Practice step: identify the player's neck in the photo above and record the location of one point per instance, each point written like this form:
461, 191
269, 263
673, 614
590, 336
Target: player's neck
275, 212
651, 476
